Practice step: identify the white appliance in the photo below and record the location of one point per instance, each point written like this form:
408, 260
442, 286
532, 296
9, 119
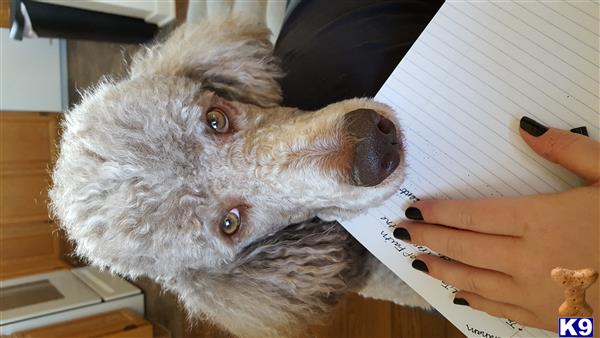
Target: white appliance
43, 299
160, 12
33, 74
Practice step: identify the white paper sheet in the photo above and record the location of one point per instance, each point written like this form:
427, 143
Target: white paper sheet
459, 94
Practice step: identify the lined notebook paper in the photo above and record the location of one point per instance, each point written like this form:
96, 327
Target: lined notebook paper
459, 94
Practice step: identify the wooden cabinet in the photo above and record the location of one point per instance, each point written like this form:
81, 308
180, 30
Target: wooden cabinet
114, 324
29, 242
4, 14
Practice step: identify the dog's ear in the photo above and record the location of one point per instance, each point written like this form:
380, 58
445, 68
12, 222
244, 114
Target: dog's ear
231, 56
276, 287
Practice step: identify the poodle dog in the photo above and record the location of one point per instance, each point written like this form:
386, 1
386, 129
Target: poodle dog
189, 172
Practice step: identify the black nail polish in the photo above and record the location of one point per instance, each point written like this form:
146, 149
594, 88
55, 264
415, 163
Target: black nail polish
460, 301
580, 130
532, 127
401, 233
420, 265
413, 213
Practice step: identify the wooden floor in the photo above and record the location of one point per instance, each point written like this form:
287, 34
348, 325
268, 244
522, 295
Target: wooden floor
358, 317
354, 317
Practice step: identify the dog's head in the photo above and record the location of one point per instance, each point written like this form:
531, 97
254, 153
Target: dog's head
190, 158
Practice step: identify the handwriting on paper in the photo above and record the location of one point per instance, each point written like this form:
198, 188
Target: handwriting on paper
481, 333
408, 194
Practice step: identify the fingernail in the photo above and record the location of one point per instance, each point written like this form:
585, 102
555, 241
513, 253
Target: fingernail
532, 127
420, 265
460, 301
580, 130
401, 233
413, 213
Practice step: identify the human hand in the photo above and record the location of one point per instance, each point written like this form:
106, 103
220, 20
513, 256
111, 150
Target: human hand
503, 249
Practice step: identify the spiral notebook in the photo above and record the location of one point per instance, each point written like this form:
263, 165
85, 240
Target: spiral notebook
459, 94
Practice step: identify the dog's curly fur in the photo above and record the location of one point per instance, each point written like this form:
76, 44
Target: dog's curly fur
142, 184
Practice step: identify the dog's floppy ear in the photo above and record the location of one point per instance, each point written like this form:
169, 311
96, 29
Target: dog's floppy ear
231, 56
279, 285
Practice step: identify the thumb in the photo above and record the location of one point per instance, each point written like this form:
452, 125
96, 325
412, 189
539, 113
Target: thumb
577, 153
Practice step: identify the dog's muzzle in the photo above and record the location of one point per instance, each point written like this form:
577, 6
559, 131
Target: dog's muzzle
377, 153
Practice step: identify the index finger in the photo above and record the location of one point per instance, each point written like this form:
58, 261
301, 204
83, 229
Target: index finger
496, 216
577, 153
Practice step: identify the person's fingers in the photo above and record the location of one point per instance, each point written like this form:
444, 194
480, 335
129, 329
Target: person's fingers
498, 216
497, 309
472, 248
492, 285
577, 153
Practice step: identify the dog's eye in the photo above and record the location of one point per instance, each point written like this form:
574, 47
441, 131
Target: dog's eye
231, 222
217, 120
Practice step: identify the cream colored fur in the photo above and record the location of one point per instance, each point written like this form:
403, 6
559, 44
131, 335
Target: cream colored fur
142, 184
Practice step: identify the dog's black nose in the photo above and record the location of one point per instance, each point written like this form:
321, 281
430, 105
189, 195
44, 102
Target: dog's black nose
377, 153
